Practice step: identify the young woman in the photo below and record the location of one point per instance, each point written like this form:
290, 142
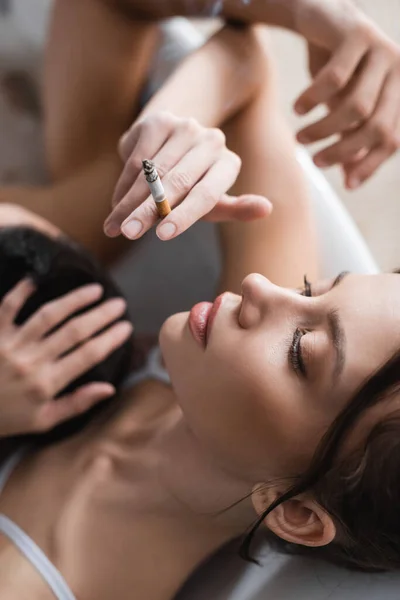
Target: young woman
270, 398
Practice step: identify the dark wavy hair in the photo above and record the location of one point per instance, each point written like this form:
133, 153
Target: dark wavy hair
360, 488
58, 266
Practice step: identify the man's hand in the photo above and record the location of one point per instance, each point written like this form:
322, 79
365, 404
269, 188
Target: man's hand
356, 74
43, 356
197, 171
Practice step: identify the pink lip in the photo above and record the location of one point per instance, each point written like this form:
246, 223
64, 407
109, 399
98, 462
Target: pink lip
201, 320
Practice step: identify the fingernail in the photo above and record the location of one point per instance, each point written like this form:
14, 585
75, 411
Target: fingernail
94, 289
300, 109
117, 304
354, 183
125, 328
321, 162
303, 138
270, 205
131, 229
111, 229
107, 393
166, 231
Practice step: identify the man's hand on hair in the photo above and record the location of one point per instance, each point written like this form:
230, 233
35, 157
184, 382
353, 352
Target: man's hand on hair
40, 358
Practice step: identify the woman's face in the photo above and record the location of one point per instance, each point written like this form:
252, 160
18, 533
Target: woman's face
278, 367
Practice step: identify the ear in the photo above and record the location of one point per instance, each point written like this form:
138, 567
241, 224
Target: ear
299, 521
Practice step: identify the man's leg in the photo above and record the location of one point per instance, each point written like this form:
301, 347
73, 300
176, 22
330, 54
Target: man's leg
96, 66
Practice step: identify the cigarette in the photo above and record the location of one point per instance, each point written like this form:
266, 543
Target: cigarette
156, 188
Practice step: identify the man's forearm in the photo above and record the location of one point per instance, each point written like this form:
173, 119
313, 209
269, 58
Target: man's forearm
215, 82
281, 13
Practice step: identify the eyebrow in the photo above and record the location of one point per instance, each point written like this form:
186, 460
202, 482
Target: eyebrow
340, 278
337, 334
339, 343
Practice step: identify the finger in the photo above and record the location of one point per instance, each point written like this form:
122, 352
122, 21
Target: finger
146, 146
378, 131
13, 302
128, 142
333, 77
91, 353
203, 198
71, 405
317, 58
177, 183
244, 208
366, 167
358, 171
153, 133
342, 151
81, 328
55, 312
166, 159
357, 104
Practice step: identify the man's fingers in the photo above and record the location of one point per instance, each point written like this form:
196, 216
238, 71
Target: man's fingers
149, 136
80, 329
57, 411
366, 167
203, 197
14, 301
89, 354
177, 183
379, 131
357, 102
342, 151
55, 312
146, 147
248, 207
166, 159
358, 171
128, 142
333, 77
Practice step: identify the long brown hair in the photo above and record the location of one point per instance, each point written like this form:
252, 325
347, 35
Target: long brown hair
359, 489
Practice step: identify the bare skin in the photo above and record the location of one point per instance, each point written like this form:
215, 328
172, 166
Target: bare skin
355, 70
106, 79
116, 478
91, 95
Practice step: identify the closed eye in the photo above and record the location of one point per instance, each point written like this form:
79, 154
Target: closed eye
321, 288
295, 355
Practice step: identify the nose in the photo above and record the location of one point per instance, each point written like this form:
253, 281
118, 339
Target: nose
262, 298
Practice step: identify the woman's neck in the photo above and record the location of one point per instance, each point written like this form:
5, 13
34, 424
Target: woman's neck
200, 490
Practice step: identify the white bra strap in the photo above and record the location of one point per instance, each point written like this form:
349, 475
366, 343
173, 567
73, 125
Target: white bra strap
37, 558
155, 366
9, 465
153, 369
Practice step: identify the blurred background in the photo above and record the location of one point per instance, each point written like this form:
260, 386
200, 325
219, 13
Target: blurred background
375, 207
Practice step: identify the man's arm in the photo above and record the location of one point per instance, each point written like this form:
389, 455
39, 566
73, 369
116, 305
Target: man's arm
227, 66
355, 69
205, 88
281, 13
281, 246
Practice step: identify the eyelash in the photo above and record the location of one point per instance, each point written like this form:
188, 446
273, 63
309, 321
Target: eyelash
295, 354
307, 287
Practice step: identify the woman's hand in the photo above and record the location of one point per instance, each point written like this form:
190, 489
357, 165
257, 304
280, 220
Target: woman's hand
196, 169
356, 73
37, 363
